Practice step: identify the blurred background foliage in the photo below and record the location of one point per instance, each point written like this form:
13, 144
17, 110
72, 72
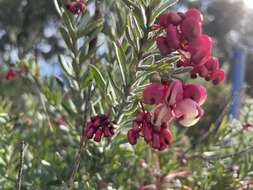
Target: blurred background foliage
215, 154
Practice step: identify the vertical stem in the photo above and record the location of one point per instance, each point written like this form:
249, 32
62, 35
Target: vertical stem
77, 161
21, 162
82, 145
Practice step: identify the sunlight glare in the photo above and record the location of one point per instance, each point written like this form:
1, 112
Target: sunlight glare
248, 3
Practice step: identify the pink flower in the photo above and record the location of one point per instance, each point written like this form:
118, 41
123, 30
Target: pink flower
11, 74
162, 115
212, 64
76, 7
166, 138
132, 136
98, 135
182, 32
159, 137
161, 43
202, 71
195, 14
173, 100
154, 93
97, 127
218, 77
187, 112
195, 92
174, 92
166, 19
172, 37
191, 28
200, 48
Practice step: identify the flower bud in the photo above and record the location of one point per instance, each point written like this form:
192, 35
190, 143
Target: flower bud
166, 135
172, 37
200, 48
195, 92
90, 132
98, 135
191, 29
76, 7
156, 141
212, 64
107, 131
132, 136
161, 43
174, 92
153, 93
218, 77
195, 14
147, 132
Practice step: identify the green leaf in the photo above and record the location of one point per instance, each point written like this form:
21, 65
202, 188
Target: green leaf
60, 82
114, 85
100, 81
69, 25
122, 62
154, 4
67, 68
130, 4
66, 38
160, 9
140, 16
57, 7
86, 79
91, 27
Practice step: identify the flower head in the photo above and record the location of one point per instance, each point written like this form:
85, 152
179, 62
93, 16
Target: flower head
97, 127
11, 74
156, 134
76, 7
173, 100
183, 33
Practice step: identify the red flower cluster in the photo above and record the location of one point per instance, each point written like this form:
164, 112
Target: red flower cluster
173, 100
10, 74
159, 137
183, 33
98, 126
76, 7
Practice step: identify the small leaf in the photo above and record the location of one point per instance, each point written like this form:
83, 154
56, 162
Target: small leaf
90, 27
159, 10
67, 68
57, 7
100, 81
130, 4
114, 85
69, 25
66, 38
122, 62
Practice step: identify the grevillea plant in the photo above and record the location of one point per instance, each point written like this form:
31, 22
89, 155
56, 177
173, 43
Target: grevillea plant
116, 114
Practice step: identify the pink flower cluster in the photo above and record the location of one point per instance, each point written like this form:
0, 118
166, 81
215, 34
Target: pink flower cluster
98, 126
76, 7
158, 136
172, 100
183, 33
